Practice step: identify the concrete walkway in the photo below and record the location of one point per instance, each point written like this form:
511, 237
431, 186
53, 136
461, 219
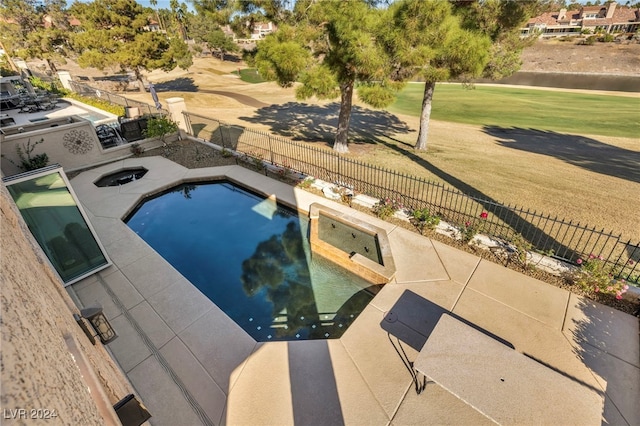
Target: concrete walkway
193, 365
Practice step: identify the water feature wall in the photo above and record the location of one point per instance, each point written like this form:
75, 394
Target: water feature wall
351, 243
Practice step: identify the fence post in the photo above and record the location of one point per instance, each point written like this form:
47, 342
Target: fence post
187, 122
221, 134
270, 150
65, 79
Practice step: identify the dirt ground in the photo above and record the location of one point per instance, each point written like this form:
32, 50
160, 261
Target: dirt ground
569, 56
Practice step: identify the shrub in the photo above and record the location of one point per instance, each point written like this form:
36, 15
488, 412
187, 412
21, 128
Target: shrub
472, 227
6, 71
98, 103
607, 38
423, 219
522, 247
254, 159
136, 149
285, 172
386, 207
27, 161
160, 127
306, 182
594, 276
49, 87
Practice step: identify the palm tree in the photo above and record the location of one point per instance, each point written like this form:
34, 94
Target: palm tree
179, 13
154, 3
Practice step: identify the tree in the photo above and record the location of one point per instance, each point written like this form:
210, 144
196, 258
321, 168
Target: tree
179, 12
34, 30
332, 47
218, 40
204, 28
426, 40
458, 40
50, 44
154, 5
22, 16
278, 11
114, 35
252, 12
501, 21
217, 12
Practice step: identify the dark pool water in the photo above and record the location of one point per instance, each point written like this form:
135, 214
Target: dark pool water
251, 257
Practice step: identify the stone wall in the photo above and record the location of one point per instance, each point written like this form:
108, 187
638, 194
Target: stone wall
38, 371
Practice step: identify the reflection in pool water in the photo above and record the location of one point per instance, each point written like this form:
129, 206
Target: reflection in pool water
251, 257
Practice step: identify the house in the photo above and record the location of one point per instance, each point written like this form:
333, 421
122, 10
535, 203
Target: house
262, 29
152, 26
259, 31
609, 18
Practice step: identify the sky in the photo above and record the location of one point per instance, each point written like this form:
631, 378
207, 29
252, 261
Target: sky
162, 4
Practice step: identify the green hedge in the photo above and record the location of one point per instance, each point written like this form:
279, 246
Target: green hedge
98, 103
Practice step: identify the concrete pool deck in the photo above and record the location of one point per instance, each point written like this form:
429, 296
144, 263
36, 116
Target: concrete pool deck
191, 364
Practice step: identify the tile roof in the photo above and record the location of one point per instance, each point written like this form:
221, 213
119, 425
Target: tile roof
621, 14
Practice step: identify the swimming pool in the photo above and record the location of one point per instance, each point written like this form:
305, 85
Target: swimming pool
251, 257
94, 117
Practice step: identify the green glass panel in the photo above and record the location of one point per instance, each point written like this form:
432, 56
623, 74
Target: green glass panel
55, 221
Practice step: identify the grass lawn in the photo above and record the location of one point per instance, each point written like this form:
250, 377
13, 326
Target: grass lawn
249, 75
564, 112
568, 154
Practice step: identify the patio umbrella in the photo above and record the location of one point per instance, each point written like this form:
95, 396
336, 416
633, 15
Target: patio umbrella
154, 95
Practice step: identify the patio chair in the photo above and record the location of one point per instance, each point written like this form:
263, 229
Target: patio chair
108, 136
45, 105
29, 108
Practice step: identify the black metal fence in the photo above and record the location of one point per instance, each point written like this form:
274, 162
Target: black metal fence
92, 92
562, 239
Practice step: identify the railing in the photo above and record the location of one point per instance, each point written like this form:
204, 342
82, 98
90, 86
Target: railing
92, 92
559, 238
